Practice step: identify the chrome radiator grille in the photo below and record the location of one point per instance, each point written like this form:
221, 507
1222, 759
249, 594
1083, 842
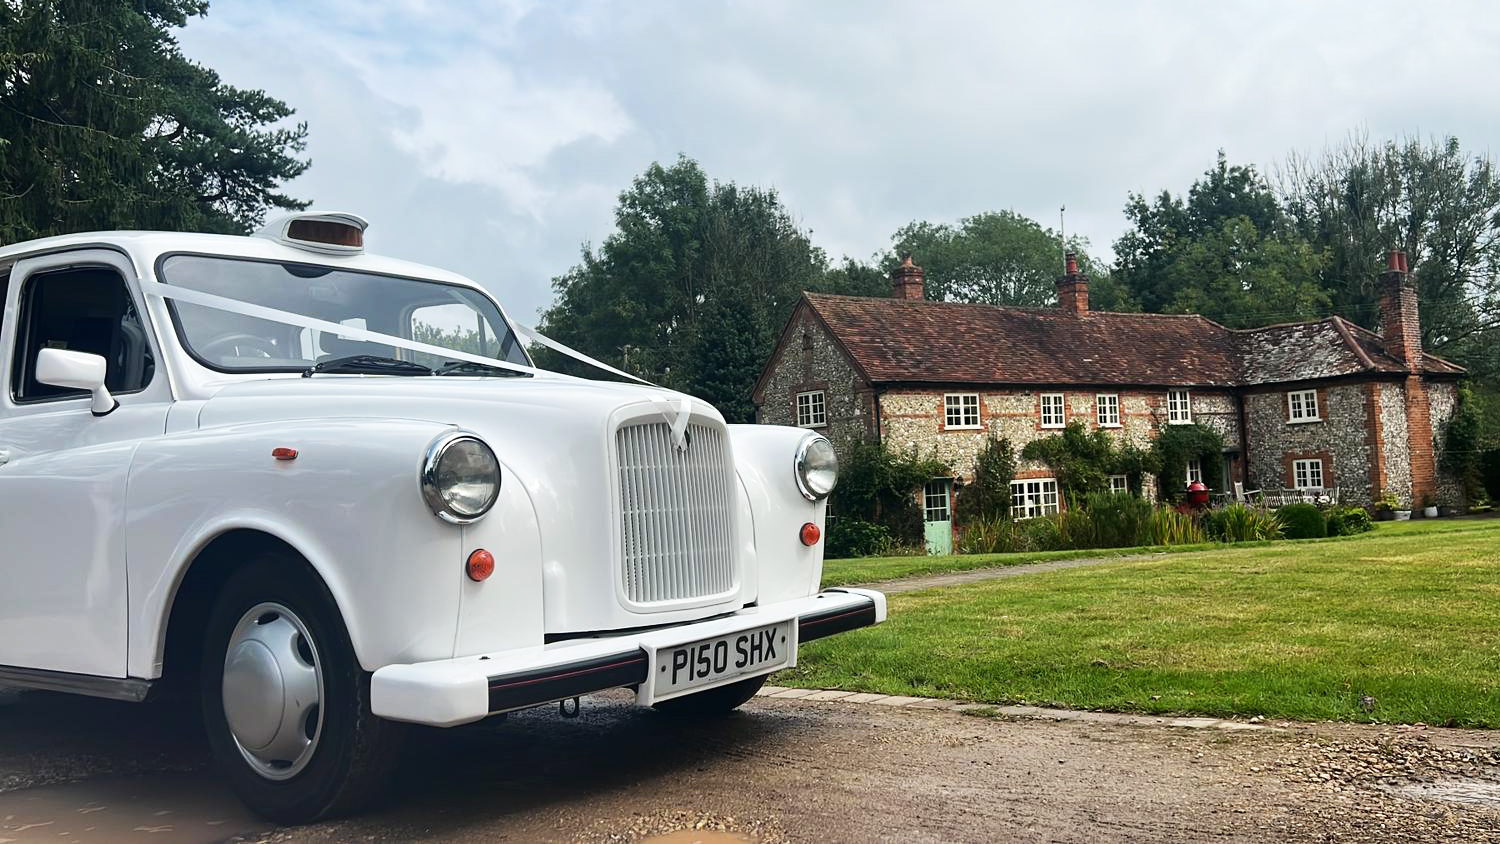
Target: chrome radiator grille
676, 513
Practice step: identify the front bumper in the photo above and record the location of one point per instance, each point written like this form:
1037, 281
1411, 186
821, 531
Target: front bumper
448, 692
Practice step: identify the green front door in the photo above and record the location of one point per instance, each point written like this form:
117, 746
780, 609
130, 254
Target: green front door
937, 516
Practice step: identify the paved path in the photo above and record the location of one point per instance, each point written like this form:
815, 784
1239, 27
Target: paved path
1034, 712
825, 769
958, 578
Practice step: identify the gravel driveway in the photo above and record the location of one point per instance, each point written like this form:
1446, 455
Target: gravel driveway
782, 770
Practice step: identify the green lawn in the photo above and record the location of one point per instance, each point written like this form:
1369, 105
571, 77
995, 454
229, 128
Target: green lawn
1408, 615
845, 572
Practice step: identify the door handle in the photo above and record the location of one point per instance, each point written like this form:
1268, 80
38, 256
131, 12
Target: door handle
4, 457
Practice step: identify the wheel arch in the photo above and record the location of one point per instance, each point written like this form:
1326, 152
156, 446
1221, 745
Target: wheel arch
201, 577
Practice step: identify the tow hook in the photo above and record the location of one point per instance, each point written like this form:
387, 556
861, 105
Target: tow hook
568, 708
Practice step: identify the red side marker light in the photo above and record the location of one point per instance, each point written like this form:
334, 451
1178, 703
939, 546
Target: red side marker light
810, 534
284, 453
481, 565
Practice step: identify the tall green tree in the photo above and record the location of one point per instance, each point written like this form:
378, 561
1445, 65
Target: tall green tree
996, 258
692, 287
1226, 251
1430, 198
104, 124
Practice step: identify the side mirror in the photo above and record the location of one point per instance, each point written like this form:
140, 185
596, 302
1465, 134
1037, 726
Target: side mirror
78, 371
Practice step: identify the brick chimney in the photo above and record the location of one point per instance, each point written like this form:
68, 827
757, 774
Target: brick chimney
1073, 288
907, 280
1401, 330
1400, 325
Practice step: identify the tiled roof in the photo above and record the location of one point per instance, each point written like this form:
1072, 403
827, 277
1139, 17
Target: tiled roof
1327, 348
914, 341
902, 340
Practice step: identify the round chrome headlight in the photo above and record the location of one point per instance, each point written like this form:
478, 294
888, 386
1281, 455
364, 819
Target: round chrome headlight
817, 468
460, 477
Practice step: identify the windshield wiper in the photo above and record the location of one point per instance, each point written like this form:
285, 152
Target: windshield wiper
367, 365
469, 367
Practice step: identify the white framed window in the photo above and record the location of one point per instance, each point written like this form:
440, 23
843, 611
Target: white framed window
935, 501
1194, 471
1053, 415
1107, 408
1307, 474
1119, 484
1302, 406
1179, 407
812, 409
961, 410
1029, 499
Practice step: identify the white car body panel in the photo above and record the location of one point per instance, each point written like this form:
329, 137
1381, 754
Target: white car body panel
104, 517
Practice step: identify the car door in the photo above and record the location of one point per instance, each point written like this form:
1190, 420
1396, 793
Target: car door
63, 470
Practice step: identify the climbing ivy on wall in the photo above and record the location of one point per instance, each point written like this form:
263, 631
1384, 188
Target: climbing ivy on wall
879, 486
1175, 446
1460, 444
1084, 460
988, 495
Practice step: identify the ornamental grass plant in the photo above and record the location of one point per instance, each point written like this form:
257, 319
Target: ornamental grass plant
1239, 523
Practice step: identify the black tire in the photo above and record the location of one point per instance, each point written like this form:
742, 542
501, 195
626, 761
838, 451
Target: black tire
719, 701
354, 755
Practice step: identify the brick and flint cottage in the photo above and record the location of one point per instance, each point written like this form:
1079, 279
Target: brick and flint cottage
1301, 405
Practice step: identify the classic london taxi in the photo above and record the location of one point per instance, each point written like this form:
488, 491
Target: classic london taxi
329, 493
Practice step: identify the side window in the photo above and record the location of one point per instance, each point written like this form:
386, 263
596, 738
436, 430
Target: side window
87, 309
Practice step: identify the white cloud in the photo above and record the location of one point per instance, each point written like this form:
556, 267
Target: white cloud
493, 137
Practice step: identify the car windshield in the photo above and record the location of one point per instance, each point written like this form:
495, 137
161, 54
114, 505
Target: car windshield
430, 312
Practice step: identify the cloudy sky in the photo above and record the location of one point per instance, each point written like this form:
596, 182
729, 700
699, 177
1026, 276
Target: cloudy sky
492, 138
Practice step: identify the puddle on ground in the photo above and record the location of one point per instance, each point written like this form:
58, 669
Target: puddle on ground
699, 836
1472, 793
168, 809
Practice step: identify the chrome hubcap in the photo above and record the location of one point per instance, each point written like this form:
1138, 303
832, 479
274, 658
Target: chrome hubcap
273, 691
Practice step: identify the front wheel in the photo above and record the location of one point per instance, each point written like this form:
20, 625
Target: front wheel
714, 701
285, 703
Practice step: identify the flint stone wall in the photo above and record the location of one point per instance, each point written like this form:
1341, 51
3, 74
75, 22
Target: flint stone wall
1397, 448
1342, 439
1442, 401
811, 360
914, 420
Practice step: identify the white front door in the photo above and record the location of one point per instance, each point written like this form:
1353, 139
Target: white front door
62, 470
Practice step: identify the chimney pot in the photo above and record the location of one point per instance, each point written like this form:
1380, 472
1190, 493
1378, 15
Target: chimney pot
908, 280
1073, 288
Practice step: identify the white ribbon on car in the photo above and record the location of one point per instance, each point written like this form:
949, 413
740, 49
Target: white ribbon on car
677, 417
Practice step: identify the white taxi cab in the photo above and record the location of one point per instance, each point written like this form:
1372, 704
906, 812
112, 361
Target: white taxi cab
329, 493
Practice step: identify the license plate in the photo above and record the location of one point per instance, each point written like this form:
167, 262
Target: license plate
683, 667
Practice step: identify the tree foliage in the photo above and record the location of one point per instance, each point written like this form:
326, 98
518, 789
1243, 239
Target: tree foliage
694, 285
996, 258
104, 124
1430, 198
1226, 251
